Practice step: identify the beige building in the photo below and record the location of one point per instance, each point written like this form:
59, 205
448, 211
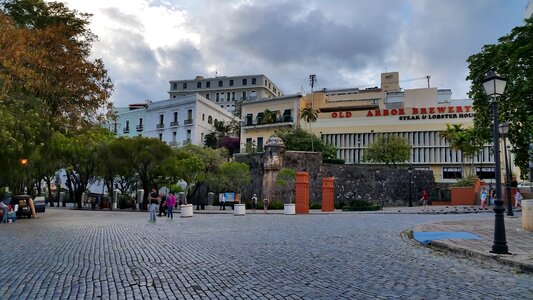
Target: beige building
351, 120
227, 91
258, 126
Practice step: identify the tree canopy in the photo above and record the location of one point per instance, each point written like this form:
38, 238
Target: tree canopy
390, 150
297, 139
511, 57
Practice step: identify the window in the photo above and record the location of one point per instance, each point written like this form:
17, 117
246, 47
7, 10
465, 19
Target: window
231, 82
140, 121
220, 84
260, 144
207, 96
174, 86
208, 84
160, 136
189, 114
127, 124
203, 117
199, 85
188, 134
232, 96
184, 85
218, 97
485, 173
174, 136
243, 96
161, 118
228, 98
244, 81
210, 120
202, 137
175, 116
254, 80
451, 173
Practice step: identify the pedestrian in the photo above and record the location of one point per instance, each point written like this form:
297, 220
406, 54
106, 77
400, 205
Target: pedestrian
222, 201
424, 199
171, 201
153, 200
4, 207
162, 205
265, 204
254, 202
518, 199
483, 197
492, 196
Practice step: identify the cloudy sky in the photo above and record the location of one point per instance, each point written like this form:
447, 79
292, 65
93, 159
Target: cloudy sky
346, 43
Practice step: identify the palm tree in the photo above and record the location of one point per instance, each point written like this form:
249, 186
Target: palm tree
309, 115
462, 139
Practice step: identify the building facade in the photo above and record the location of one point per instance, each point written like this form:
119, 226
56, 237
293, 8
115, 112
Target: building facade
262, 117
176, 121
227, 91
351, 120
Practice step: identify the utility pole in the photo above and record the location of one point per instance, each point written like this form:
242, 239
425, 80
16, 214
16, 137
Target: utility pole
312, 81
428, 77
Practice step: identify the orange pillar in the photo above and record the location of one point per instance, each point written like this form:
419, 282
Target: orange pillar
302, 192
328, 194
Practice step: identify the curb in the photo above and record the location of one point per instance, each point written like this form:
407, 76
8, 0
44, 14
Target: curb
482, 256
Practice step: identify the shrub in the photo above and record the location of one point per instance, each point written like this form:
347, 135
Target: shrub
361, 205
315, 206
465, 182
338, 161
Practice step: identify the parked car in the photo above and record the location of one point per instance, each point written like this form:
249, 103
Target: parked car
40, 204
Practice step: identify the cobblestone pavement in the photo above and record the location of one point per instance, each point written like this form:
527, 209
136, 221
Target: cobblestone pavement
67, 254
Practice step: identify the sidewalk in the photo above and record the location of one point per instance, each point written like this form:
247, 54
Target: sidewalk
519, 241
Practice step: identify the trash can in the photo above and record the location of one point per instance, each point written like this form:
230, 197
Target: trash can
527, 214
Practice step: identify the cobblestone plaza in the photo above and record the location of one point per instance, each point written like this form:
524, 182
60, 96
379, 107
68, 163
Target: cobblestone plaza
66, 254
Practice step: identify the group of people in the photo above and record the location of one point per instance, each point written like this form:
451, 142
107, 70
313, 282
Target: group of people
166, 205
7, 213
222, 203
484, 196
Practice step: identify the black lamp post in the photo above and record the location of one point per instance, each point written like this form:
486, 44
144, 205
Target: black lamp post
504, 129
410, 170
494, 86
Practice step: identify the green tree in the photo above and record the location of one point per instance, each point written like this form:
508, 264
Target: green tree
297, 139
286, 179
511, 57
463, 140
234, 176
390, 150
309, 115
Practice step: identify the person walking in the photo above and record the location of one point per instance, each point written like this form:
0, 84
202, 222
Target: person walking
254, 202
162, 204
518, 199
265, 204
424, 199
153, 200
222, 201
171, 201
492, 196
483, 197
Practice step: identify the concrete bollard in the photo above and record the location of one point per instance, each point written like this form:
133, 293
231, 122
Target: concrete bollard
527, 214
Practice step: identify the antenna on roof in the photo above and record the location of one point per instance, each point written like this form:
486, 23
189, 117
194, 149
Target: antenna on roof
216, 73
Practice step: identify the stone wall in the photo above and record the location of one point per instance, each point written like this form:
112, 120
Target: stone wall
379, 184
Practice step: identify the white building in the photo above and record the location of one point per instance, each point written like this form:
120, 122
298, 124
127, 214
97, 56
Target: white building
177, 121
225, 91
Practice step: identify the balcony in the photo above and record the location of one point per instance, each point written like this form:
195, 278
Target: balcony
174, 124
187, 141
160, 126
173, 144
126, 130
140, 127
285, 121
187, 122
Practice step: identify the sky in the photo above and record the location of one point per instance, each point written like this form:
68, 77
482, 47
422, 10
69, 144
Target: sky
345, 43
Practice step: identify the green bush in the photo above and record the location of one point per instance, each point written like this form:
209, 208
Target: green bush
274, 204
315, 206
361, 205
465, 182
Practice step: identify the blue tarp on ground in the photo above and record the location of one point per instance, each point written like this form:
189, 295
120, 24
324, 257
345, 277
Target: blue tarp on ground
426, 237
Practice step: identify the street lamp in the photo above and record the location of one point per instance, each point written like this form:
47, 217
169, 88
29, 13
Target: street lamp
494, 86
24, 164
504, 129
410, 170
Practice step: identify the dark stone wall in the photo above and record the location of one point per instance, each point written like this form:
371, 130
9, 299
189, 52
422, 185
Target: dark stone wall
379, 184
